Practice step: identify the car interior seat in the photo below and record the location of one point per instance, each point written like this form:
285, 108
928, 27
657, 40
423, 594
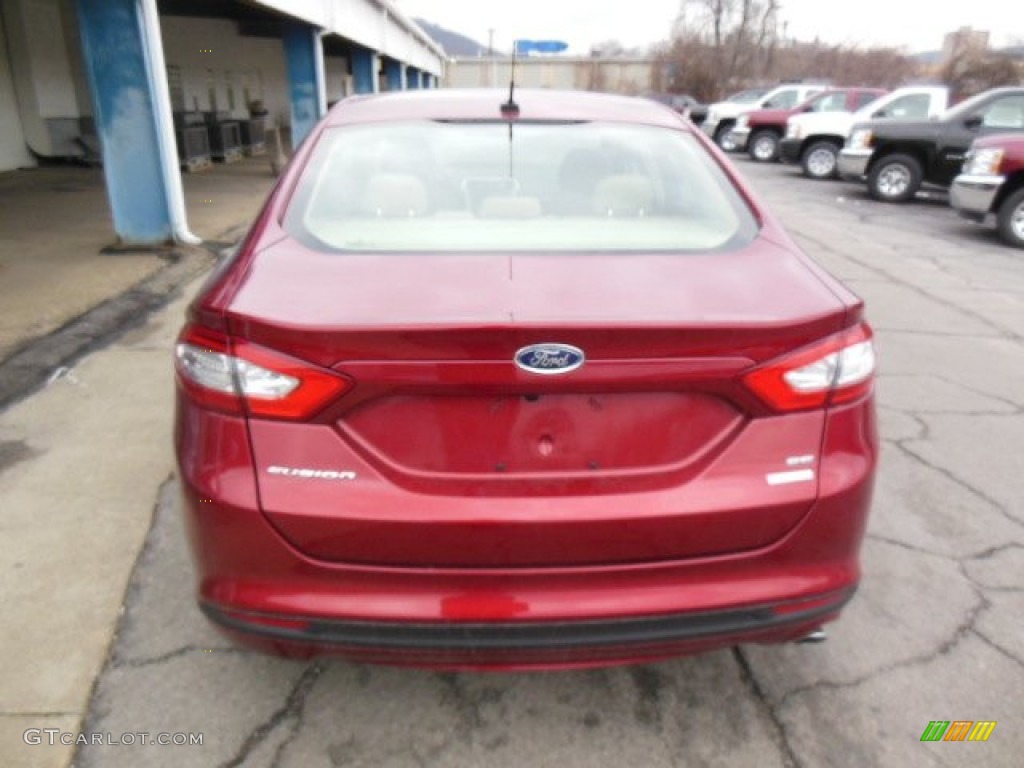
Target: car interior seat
394, 195
623, 194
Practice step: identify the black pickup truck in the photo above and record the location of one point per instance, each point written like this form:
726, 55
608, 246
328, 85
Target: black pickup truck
897, 156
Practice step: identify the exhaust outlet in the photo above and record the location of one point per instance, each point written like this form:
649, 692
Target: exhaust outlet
817, 636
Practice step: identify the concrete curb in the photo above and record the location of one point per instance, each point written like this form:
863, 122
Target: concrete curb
70, 547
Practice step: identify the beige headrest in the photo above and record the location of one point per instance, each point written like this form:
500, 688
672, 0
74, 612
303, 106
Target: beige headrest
509, 207
394, 195
626, 194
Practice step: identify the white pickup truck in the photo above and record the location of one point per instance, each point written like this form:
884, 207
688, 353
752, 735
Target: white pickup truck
722, 114
814, 139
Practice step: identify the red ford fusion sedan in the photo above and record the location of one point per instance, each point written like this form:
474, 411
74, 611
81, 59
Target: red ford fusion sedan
524, 387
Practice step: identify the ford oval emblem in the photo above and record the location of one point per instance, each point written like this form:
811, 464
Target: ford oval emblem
549, 359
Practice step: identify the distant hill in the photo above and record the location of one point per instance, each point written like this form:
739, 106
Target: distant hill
453, 43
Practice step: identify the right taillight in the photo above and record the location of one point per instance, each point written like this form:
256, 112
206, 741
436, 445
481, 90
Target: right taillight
837, 369
235, 376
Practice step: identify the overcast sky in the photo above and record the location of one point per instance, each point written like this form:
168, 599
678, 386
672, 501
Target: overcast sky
581, 23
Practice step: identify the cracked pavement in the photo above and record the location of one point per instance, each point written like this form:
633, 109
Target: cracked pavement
935, 633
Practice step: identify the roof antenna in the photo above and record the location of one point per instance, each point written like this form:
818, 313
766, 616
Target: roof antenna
510, 109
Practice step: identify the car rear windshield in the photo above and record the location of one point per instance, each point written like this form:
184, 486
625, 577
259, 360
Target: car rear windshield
499, 186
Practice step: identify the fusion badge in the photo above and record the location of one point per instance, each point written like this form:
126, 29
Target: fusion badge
306, 473
549, 359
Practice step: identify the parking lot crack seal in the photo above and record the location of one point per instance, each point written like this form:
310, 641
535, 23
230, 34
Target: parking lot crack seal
962, 631
977, 492
467, 707
171, 655
987, 554
292, 710
1015, 405
780, 737
909, 547
997, 647
923, 428
1002, 331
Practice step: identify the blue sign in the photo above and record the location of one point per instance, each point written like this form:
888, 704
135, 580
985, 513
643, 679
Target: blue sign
540, 46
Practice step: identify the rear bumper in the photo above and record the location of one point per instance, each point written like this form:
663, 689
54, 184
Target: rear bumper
525, 644
264, 593
972, 196
789, 150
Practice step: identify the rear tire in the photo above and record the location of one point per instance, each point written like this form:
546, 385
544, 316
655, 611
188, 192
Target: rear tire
895, 178
819, 160
722, 137
764, 146
1010, 219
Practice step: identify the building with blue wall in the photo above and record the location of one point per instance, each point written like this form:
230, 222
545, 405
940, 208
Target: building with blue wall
115, 79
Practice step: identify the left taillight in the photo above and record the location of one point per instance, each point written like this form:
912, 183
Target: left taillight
235, 376
838, 369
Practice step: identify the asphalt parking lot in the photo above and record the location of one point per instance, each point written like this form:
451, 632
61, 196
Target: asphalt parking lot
936, 632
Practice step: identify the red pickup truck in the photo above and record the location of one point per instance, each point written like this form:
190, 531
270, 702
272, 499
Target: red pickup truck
992, 181
759, 132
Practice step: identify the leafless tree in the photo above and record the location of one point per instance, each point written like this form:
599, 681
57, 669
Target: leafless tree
968, 72
742, 33
722, 45
846, 65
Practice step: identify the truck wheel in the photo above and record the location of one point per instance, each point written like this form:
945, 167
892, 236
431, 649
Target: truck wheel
894, 178
819, 160
1011, 219
722, 137
764, 146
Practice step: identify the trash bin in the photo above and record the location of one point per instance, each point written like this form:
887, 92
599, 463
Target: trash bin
225, 137
254, 140
193, 141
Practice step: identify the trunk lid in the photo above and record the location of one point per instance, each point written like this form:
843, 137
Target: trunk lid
446, 454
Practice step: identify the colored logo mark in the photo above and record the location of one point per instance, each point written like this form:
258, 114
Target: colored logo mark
549, 358
958, 730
